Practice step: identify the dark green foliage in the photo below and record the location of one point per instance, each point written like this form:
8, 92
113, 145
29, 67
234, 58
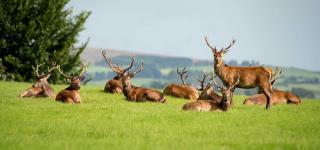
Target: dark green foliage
38, 31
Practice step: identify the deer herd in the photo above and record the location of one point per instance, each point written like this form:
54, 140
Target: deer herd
203, 98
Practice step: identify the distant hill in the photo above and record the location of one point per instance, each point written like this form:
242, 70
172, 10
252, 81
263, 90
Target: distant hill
93, 55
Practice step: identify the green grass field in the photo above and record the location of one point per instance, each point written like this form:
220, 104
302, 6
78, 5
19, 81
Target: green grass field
106, 121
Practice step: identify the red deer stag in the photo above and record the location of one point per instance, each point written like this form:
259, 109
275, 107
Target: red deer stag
277, 95
213, 105
250, 77
133, 93
183, 90
71, 93
114, 86
206, 90
41, 88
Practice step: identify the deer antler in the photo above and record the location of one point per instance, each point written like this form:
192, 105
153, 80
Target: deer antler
181, 73
204, 87
43, 74
72, 77
83, 70
132, 74
224, 50
131, 64
209, 85
61, 72
234, 84
276, 75
213, 49
115, 68
202, 82
54, 66
220, 87
36, 70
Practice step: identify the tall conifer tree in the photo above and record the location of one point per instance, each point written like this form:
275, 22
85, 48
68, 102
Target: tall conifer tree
38, 31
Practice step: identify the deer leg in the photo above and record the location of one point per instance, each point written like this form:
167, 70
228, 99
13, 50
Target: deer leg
231, 100
26, 94
268, 94
69, 100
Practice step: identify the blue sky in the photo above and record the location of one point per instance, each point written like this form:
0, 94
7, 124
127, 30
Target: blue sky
276, 32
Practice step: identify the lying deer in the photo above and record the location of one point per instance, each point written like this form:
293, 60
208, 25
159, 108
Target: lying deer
133, 93
183, 90
71, 93
250, 77
41, 87
213, 105
206, 90
114, 86
278, 96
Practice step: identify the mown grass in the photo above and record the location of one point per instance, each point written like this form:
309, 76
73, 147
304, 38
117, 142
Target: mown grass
106, 121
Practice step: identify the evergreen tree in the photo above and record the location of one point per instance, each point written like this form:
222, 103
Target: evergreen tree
38, 31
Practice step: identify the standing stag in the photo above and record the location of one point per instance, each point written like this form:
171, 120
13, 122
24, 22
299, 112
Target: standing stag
250, 77
213, 105
183, 90
41, 87
133, 93
71, 93
278, 96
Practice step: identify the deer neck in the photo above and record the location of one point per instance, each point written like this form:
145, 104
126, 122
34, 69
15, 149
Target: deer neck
71, 88
224, 104
127, 88
219, 67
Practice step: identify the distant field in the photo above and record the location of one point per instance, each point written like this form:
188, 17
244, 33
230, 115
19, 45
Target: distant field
106, 121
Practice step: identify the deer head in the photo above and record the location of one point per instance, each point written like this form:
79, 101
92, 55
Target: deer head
227, 93
74, 80
123, 73
219, 54
183, 75
41, 78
